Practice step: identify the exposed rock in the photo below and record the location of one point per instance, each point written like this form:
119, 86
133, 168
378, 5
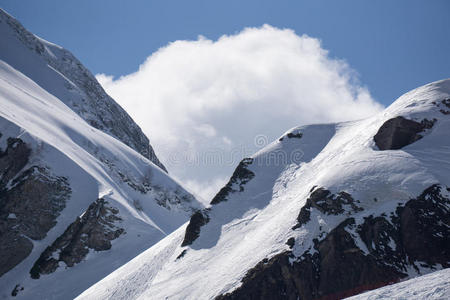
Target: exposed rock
198, 219
336, 270
182, 254
424, 225
399, 132
13, 160
95, 229
417, 233
16, 290
294, 135
290, 242
446, 103
94, 105
291, 135
13, 248
327, 203
240, 177
30, 202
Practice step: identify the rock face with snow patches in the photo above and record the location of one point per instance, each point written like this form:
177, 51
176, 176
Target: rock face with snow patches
61, 74
324, 212
81, 190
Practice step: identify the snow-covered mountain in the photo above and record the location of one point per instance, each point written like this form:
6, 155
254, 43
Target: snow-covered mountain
81, 190
435, 285
58, 72
325, 211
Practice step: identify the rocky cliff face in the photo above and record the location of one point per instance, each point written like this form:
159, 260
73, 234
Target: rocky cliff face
416, 236
63, 144
95, 230
30, 201
79, 89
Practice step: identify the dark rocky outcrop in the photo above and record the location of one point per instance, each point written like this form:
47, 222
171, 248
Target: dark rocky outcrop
295, 135
198, 219
327, 203
94, 105
446, 109
240, 177
16, 290
399, 132
95, 229
424, 225
30, 202
336, 270
291, 135
415, 234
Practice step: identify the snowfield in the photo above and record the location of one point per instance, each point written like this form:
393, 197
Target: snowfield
256, 218
431, 286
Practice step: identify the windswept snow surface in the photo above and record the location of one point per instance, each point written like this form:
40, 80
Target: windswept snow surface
96, 164
431, 286
256, 223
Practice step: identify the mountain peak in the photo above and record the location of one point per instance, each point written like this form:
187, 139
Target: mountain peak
52, 66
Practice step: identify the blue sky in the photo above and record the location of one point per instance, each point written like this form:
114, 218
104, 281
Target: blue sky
393, 45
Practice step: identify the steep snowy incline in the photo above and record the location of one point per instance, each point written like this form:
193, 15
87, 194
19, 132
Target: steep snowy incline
367, 204
432, 286
58, 72
75, 202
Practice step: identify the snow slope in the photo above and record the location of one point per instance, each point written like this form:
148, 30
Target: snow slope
431, 286
253, 220
62, 140
58, 72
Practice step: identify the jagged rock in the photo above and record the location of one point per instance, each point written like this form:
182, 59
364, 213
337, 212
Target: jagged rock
30, 202
424, 225
446, 103
294, 135
399, 132
16, 290
327, 203
92, 104
240, 177
291, 135
13, 159
198, 219
336, 270
95, 229
416, 233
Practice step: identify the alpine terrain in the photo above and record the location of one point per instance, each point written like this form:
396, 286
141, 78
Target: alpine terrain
81, 189
324, 212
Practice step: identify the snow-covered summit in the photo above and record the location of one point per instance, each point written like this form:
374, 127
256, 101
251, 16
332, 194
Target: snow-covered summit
325, 211
80, 193
58, 72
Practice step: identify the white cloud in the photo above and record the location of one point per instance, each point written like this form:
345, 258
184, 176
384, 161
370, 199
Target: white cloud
202, 102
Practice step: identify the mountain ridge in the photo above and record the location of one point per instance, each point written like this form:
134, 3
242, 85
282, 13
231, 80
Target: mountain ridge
83, 94
76, 202
270, 233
